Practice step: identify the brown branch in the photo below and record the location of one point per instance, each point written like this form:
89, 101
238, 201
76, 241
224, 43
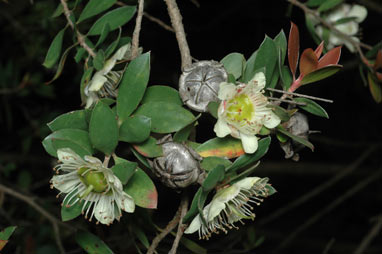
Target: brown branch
159, 22
181, 226
176, 21
362, 184
170, 226
53, 220
353, 166
137, 29
357, 45
80, 37
370, 236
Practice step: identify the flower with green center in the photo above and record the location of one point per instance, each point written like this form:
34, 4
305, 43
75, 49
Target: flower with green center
243, 112
105, 81
345, 18
229, 205
88, 181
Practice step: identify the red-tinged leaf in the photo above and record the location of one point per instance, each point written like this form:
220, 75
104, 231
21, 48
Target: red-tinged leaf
375, 88
379, 76
319, 49
293, 48
222, 147
332, 57
149, 148
378, 60
308, 62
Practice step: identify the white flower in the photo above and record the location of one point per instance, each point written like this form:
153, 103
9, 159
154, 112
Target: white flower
88, 181
230, 205
349, 28
105, 77
243, 111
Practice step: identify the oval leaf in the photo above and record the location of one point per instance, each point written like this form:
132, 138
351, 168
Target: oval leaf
124, 170
295, 138
332, 57
135, 129
375, 88
142, 190
162, 93
133, 85
71, 212
320, 74
103, 128
194, 206
165, 117
77, 140
116, 18
71, 120
54, 50
228, 147
329, 4
308, 62
94, 7
312, 107
149, 148
61, 64
234, 64
211, 162
293, 48
213, 178
91, 243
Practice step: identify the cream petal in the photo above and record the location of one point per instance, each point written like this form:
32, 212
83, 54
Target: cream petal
194, 226
91, 99
258, 81
215, 209
64, 185
349, 28
349, 45
358, 11
127, 203
121, 52
247, 183
97, 82
104, 210
249, 142
338, 13
271, 120
226, 90
221, 128
67, 155
93, 160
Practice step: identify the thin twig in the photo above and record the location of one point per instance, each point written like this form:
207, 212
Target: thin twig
176, 21
329, 246
327, 184
181, 226
349, 193
357, 45
137, 29
299, 95
159, 22
53, 220
170, 226
370, 236
286, 101
80, 37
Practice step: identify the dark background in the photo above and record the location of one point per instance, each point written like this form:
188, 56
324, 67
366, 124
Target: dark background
214, 29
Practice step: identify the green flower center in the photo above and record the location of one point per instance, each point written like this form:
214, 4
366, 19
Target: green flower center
240, 108
95, 181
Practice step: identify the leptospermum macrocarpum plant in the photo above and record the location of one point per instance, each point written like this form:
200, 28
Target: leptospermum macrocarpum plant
143, 132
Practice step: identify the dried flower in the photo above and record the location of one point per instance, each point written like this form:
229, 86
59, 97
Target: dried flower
243, 111
88, 181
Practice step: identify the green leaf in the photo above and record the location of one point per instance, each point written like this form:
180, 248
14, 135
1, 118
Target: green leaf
312, 107
149, 148
94, 7
162, 93
265, 57
286, 77
280, 112
211, 162
183, 134
99, 60
71, 120
201, 201
320, 74
234, 64
59, 10
248, 159
142, 189
193, 246
77, 140
111, 48
86, 77
54, 50
135, 129
194, 207
228, 147
61, 64
281, 45
133, 85
79, 54
213, 108
103, 128
71, 212
309, 22
7, 232
275, 78
165, 117
315, 3
375, 88
295, 138
116, 18
141, 158
142, 237
124, 170
91, 243
329, 4
213, 178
